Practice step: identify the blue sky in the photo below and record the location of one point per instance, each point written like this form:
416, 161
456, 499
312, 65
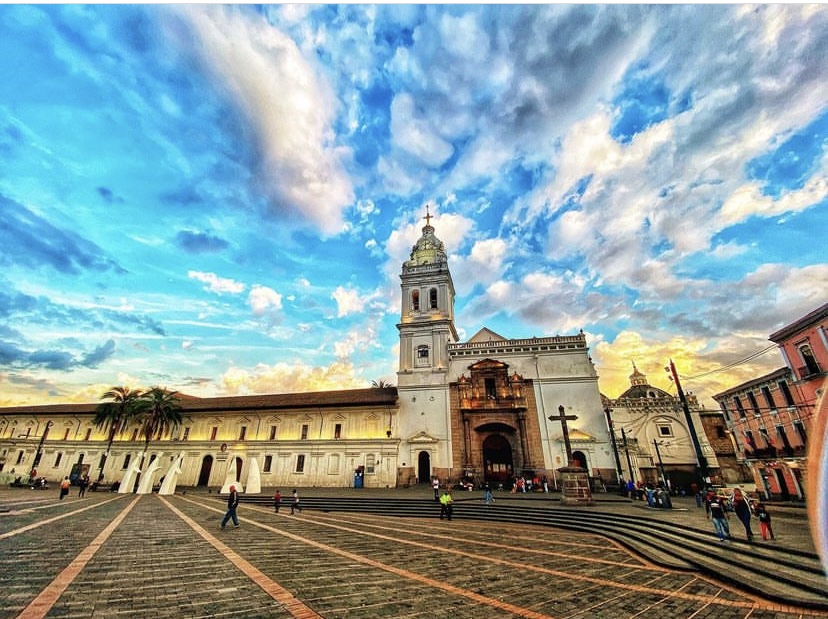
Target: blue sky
218, 199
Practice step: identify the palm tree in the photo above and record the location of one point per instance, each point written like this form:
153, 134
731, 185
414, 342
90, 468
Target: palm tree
160, 411
116, 415
380, 384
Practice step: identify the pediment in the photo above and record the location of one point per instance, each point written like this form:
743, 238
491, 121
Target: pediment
488, 365
486, 335
422, 437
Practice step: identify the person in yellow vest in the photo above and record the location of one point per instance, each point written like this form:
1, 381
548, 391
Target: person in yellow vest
446, 505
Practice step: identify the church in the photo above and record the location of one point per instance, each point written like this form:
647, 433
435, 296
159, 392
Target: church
487, 409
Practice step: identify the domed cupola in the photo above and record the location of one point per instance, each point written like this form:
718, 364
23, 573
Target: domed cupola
428, 249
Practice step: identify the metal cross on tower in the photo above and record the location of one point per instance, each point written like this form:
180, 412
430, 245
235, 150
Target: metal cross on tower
428, 216
563, 418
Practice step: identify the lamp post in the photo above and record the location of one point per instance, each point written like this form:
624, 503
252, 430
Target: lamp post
660, 464
702, 461
627, 451
39, 451
619, 470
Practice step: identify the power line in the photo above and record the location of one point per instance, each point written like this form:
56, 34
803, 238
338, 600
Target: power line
734, 364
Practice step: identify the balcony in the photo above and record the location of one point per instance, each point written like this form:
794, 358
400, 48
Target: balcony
806, 371
485, 403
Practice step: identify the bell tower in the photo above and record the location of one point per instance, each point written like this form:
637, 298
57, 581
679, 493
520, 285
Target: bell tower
427, 312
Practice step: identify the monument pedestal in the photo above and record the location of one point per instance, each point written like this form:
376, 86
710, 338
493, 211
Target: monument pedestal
575, 486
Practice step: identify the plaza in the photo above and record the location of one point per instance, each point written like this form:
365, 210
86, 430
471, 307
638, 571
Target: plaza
115, 555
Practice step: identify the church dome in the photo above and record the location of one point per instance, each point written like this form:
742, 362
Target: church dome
428, 249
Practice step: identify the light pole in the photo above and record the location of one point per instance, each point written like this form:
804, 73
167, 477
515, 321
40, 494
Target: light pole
660, 464
627, 451
39, 451
619, 470
702, 461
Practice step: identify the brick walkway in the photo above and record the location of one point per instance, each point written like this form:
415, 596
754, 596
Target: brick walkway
125, 556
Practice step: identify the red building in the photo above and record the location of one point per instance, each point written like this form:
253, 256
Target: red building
770, 418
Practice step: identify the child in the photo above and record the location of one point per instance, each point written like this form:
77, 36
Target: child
764, 521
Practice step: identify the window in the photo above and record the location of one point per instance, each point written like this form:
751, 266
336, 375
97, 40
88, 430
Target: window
186, 434
272, 433
338, 431
739, 407
268, 463
19, 457
800, 430
665, 430
66, 435
126, 461
491, 389
766, 393
242, 432
780, 431
811, 365
369, 463
751, 442
720, 432
213, 433
134, 435
300, 463
58, 458
432, 298
422, 354
786, 392
88, 434
415, 299
304, 435
753, 403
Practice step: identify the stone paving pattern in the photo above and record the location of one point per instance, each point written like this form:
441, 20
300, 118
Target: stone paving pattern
168, 558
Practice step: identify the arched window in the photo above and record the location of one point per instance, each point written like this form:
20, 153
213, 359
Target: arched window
415, 299
422, 354
432, 298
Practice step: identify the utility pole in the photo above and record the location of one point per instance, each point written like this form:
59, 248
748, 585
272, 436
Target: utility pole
627, 451
702, 461
618, 469
660, 464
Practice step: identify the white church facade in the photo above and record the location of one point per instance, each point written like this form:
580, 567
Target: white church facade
478, 409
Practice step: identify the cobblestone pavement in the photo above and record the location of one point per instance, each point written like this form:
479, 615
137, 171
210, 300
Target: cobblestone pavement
112, 555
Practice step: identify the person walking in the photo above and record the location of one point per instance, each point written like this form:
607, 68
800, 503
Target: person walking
487, 493
64, 487
764, 521
435, 485
83, 484
718, 514
277, 501
232, 504
294, 504
742, 509
446, 505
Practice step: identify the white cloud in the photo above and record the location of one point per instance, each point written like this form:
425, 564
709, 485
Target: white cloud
216, 284
290, 106
348, 301
264, 300
415, 135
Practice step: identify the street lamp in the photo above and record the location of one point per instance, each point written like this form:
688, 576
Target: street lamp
660, 464
39, 452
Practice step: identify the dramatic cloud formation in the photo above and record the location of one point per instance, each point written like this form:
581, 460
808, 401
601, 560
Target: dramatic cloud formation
219, 198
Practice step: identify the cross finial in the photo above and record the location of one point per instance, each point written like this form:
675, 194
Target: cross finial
428, 216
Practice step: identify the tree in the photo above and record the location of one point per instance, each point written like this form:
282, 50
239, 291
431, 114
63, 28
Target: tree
160, 410
116, 415
380, 384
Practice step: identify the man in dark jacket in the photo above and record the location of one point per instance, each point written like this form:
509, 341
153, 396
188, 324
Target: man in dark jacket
232, 504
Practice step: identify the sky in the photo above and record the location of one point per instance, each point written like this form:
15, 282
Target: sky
217, 199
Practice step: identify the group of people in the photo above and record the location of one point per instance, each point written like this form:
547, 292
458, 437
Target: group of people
233, 504
717, 507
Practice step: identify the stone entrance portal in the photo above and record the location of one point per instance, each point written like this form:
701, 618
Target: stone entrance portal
498, 466
424, 468
206, 467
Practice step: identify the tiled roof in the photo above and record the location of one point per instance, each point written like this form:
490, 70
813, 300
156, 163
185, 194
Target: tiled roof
317, 399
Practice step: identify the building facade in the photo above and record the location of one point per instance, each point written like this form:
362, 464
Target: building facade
476, 409
771, 417
652, 438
